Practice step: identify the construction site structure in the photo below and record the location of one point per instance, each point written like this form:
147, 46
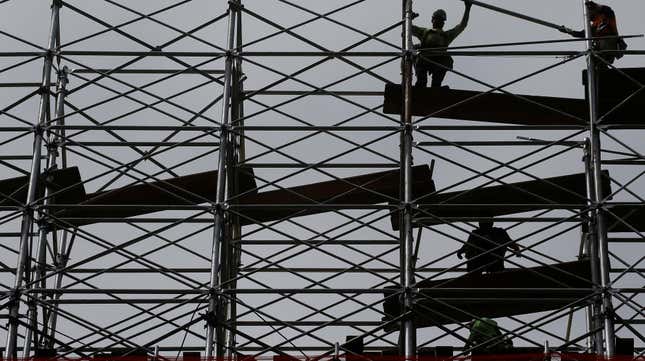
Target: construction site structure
235, 193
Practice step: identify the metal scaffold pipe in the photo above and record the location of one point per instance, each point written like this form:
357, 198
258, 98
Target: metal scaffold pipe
28, 213
236, 156
606, 312
591, 251
41, 261
516, 14
408, 332
214, 332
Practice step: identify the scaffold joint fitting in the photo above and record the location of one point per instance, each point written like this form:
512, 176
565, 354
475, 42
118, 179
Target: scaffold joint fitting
13, 296
220, 207
57, 3
410, 54
408, 206
44, 224
235, 5
230, 54
210, 318
42, 90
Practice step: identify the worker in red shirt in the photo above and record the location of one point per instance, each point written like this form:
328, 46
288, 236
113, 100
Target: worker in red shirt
603, 24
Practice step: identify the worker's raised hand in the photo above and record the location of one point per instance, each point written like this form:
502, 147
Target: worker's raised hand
415, 15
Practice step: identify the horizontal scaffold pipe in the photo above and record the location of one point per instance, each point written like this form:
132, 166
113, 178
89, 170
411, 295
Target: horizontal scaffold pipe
19, 85
555, 41
316, 92
503, 219
317, 165
326, 54
340, 128
323, 128
183, 128
285, 269
206, 291
141, 144
426, 291
148, 71
496, 143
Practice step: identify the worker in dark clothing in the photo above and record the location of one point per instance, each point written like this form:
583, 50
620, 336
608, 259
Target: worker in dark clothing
486, 247
486, 338
603, 23
436, 64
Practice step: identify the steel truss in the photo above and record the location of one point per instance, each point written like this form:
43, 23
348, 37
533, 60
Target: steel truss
225, 276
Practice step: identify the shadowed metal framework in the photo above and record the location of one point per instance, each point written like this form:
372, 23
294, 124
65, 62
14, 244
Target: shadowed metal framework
264, 180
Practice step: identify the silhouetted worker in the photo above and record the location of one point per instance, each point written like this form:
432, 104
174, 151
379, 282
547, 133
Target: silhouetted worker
486, 247
486, 338
603, 23
436, 38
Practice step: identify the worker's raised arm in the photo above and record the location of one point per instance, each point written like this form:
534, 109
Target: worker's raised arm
464, 19
454, 32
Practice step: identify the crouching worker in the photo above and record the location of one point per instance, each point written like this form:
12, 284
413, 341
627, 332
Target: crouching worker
485, 338
431, 63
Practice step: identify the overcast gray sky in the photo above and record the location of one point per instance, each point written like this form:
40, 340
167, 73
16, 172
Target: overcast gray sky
29, 20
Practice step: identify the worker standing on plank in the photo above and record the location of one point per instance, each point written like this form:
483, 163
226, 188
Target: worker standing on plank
431, 63
486, 248
603, 23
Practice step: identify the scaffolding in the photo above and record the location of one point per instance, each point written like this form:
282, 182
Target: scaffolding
249, 187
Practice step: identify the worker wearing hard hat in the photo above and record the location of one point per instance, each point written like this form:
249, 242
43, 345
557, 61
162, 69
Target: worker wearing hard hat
429, 62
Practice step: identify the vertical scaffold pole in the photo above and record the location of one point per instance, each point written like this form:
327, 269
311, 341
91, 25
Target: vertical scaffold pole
213, 327
591, 251
28, 212
237, 156
601, 230
43, 224
408, 331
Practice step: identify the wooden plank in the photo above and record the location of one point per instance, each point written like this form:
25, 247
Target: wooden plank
504, 199
367, 189
491, 107
500, 294
615, 88
625, 218
65, 184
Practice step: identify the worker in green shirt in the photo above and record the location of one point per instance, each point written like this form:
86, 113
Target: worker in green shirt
486, 338
436, 64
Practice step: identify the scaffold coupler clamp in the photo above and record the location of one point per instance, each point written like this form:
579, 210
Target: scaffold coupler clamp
210, 317
63, 79
14, 298
411, 54
44, 223
235, 5
42, 89
219, 208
